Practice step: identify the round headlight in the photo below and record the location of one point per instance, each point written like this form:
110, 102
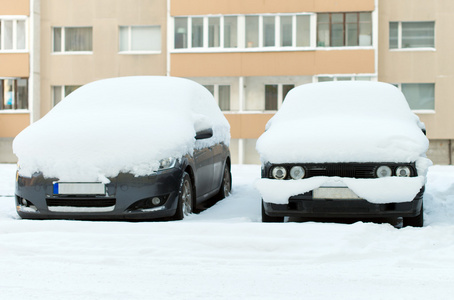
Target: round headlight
279, 172
383, 171
403, 171
297, 172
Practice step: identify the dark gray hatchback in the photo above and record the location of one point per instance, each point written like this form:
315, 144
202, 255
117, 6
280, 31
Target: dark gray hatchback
175, 182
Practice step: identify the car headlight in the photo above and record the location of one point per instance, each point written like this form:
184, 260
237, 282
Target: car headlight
167, 163
297, 172
383, 171
279, 172
403, 171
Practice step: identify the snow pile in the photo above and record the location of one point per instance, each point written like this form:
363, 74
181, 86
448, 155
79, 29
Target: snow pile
378, 191
343, 122
118, 125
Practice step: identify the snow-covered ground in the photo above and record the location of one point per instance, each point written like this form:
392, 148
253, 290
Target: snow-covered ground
226, 253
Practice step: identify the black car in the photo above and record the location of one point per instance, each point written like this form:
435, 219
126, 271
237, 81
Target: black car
125, 178
344, 150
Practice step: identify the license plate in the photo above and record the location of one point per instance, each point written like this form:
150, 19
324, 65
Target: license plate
79, 188
334, 193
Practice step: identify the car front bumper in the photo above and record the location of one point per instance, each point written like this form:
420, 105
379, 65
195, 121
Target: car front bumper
304, 205
125, 198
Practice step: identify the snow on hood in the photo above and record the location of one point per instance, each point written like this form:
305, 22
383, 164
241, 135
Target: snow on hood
343, 122
119, 125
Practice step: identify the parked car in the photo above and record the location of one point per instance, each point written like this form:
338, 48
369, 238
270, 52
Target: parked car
344, 149
131, 148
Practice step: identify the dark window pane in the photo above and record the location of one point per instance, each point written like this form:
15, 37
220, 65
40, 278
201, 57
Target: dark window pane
181, 33
230, 32
285, 89
269, 30
393, 35
224, 97
197, 32
271, 97
78, 39
210, 88
22, 94
57, 39
252, 31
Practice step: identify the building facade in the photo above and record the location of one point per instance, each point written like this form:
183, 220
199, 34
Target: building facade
19, 70
249, 54
415, 55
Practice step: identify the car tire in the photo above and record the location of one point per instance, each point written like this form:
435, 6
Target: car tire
270, 219
185, 198
226, 184
417, 221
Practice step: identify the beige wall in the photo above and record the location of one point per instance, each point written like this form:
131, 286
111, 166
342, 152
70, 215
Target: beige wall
15, 7
14, 65
203, 7
273, 63
247, 126
403, 66
105, 16
11, 124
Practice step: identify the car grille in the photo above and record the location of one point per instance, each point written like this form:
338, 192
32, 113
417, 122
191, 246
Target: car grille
352, 170
341, 170
81, 202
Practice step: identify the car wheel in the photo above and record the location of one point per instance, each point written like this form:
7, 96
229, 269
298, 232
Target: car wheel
270, 219
185, 198
226, 185
417, 221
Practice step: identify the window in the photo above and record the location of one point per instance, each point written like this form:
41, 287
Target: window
140, 39
403, 35
420, 96
344, 29
343, 78
214, 32
255, 31
275, 95
230, 32
252, 31
12, 35
73, 39
13, 93
222, 95
181, 33
61, 91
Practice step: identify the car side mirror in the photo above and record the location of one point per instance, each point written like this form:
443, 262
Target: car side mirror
204, 134
424, 131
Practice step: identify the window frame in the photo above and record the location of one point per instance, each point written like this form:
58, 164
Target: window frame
129, 51
241, 44
62, 92
419, 111
15, 101
62, 42
400, 37
280, 94
216, 94
14, 19
344, 29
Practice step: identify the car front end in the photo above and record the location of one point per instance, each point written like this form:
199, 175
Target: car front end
123, 197
341, 190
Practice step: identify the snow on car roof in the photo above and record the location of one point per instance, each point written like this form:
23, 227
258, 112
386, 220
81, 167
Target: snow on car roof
343, 122
124, 124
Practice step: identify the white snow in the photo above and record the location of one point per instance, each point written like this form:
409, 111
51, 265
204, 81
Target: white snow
226, 253
378, 190
118, 125
343, 122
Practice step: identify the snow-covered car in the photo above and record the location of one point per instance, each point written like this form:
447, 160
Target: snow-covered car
139, 148
344, 149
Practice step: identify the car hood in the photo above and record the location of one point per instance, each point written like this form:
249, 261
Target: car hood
342, 139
